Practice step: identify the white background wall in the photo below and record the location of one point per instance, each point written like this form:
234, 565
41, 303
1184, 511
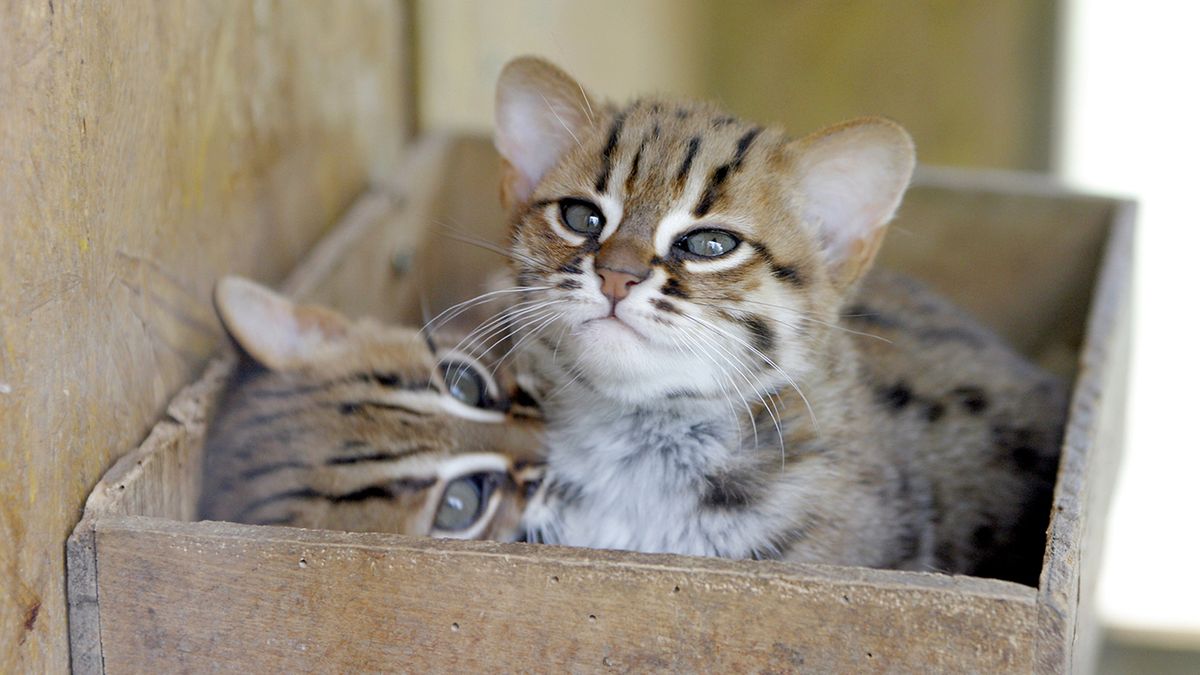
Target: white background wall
1131, 122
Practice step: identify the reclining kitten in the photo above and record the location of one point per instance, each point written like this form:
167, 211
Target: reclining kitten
685, 276
334, 424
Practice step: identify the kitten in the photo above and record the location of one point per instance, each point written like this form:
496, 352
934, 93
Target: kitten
334, 424
704, 394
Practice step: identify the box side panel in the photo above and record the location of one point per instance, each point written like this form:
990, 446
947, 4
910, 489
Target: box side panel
1067, 631
147, 147
280, 599
1024, 262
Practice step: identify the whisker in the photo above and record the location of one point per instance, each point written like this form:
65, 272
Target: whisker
766, 359
725, 393
560, 120
455, 310
466, 238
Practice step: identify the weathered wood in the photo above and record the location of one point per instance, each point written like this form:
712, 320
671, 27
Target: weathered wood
1067, 639
147, 147
282, 599
401, 597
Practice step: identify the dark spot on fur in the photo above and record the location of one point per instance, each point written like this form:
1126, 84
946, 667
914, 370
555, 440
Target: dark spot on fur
664, 306
973, 399
1025, 457
788, 274
983, 537
723, 122
896, 396
934, 412
572, 267
764, 337
350, 408
570, 284
673, 288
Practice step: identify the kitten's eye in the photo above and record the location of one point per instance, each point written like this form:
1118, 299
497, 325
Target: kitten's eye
465, 501
465, 384
708, 243
582, 217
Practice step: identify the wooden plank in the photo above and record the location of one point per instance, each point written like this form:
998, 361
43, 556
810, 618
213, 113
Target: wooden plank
283, 599
1068, 638
147, 147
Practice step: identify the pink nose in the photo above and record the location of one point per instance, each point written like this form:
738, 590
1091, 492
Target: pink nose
615, 284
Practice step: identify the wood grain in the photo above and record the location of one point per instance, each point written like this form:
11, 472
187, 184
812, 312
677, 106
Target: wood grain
147, 147
281, 599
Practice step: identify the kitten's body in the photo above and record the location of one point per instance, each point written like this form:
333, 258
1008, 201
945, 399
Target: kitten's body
707, 399
333, 424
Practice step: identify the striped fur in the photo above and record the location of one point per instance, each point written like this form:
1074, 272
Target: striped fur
720, 405
357, 431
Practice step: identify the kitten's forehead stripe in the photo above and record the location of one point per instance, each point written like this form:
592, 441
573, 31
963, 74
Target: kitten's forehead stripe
716, 182
614, 135
688, 158
633, 170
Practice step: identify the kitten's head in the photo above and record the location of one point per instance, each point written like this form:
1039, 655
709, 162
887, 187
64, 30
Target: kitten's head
354, 425
681, 248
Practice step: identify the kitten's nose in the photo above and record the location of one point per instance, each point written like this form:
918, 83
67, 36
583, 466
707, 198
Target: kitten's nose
615, 285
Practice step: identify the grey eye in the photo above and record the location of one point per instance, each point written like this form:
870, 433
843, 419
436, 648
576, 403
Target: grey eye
708, 243
465, 384
464, 502
582, 217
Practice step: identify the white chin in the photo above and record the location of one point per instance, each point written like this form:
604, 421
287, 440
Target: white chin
622, 364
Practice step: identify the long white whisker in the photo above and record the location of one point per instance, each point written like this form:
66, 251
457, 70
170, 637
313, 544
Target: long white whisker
682, 338
539, 328
455, 310
560, 120
508, 314
737, 367
508, 330
762, 356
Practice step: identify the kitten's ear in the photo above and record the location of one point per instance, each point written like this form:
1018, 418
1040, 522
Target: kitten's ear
850, 179
272, 329
540, 113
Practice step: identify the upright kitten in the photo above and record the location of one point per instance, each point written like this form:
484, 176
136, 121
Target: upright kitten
334, 424
701, 390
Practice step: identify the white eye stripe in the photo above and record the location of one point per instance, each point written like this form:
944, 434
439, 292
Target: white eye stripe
556, 225
614, 211
729, 261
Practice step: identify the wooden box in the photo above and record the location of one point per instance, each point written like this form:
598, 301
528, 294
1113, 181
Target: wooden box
152, 590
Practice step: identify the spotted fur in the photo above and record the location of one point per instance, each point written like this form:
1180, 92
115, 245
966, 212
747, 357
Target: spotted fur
328, 423
723, 405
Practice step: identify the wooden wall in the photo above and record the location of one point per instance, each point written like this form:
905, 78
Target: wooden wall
973, 81
146, 147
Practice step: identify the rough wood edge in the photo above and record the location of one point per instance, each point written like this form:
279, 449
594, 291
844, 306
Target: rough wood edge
580, 557
1059, 587
83, 600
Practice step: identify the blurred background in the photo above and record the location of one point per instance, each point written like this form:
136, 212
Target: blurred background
1100, 93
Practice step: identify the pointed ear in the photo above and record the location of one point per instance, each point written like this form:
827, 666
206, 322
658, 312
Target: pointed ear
540, 113
849, 180
273, 330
